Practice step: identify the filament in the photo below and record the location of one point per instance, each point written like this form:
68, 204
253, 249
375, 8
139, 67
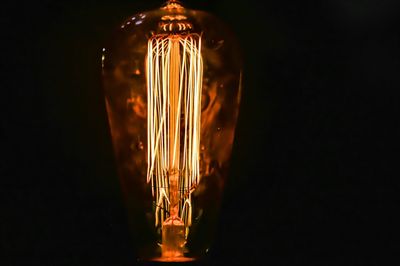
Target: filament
174, 82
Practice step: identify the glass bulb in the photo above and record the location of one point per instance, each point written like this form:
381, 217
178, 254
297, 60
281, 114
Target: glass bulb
172, 84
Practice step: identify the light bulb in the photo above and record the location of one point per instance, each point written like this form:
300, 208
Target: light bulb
172, 84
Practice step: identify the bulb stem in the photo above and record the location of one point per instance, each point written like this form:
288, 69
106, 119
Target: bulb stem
173, 236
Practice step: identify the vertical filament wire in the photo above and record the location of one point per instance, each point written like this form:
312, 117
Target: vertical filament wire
174, 84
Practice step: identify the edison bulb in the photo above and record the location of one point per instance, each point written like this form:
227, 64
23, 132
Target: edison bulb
172, 85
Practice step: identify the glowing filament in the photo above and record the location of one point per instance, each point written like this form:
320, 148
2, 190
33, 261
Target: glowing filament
174, 83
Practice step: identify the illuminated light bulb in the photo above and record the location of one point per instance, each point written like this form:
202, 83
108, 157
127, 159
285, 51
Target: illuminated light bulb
172, 84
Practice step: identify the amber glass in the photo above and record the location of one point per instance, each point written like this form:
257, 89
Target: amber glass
125, 83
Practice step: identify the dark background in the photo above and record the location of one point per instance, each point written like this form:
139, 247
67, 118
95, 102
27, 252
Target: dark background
314, 167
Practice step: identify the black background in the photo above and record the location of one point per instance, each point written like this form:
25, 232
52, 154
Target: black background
313, 176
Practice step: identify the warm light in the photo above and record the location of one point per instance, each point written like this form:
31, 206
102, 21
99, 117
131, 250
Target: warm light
172, 86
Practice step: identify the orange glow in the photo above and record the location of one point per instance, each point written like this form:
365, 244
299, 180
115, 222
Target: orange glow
171, 79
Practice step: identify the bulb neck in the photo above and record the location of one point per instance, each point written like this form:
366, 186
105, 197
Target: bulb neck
173, 5
174, 21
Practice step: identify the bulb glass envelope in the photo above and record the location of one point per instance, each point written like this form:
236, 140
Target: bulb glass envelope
172, 84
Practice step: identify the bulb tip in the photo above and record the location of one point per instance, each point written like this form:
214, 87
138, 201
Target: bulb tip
173, 4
